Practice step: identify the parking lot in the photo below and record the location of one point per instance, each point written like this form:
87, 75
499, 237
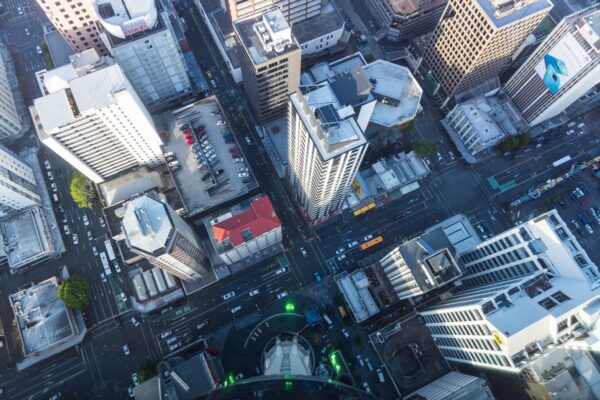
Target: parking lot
202, 152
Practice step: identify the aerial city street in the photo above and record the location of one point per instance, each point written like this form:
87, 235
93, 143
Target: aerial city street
368, 199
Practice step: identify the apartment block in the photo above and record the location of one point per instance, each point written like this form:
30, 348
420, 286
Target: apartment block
141, 39
76, 22
476, 39
561, 70
326, 142
93, 118
270, 62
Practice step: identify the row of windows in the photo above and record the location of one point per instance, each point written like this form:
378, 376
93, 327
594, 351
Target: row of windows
470, 343
458, 330
483, 358
453, 316
493, 247
506, 273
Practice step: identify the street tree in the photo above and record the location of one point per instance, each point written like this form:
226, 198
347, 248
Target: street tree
75, 292
424, 148
82, 190
146, 370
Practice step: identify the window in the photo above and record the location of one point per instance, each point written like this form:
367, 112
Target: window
560, 297
548, 303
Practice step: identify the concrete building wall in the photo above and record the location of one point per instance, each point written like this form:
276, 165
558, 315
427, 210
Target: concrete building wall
75, 20
18, 188
10, 123
253, 246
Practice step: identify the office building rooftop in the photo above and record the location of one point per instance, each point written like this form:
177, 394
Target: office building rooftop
42, 318
506, 12
266, 36
409, 7
123, 18
146, 224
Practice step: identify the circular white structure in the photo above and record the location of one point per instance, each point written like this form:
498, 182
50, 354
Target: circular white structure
123, 18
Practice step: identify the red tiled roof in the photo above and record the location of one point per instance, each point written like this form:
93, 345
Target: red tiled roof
260, 218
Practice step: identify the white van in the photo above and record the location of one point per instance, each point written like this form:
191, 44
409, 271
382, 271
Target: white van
328, 320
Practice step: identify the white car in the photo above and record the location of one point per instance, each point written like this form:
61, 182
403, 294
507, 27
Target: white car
47, 164
123, 297
174, 346
345, 332
254, 292
282, 295
103, 277
451, 155
165, 335
126, 349
102, 223
280, 271
221, 122
248, 141
66, 229
367, 238
27, 32
581, 125
38, 49
229, 295
117, 267
340, 250
50, 176
135, 322
238, 159
243, 175
243, 169
303, 251
380, 337
341, 257
90, 236
236, 309
439, 157
130, 391
75, 239
94, 250
85, 219
20, 10
53, 187
366, 387
134, 378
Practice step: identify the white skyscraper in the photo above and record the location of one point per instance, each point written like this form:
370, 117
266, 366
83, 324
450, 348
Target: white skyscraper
18, 188
93, 118
514, 322
326, 142
10, 123
561, 70
140, 37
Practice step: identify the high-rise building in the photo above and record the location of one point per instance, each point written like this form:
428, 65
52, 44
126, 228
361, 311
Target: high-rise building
10, 123
406, 19
293, 10
140, 37
475, 39
510, 320
270, 62
326, 141
93, 118
153, 230
76, 22
18, 188
561, 70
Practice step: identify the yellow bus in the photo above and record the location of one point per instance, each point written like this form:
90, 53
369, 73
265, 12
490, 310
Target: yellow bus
371, 243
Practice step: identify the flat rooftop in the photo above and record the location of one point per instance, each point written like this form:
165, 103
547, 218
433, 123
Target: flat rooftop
506, 12
24, 237
42, 318
355, 288
127, 185
59, 49
409, 7
339, 130
397, 91
328, 21
204, 184
266, 36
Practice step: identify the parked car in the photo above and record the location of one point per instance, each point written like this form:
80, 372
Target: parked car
123, 297
341, 257
50, 176
135, 322
303, 251
85, 219
53, 187
238, 159
66, 229
166, 334
317, 276
117, 266
236, 309
89, 235
103, 277
248, 141
134, 378
75, 239
243, 175
102, 223
47, 164
282, 295
94, 250
254, 292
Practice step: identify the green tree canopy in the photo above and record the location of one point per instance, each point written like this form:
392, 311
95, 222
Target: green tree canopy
424, 148
146, 370
82, 190
75, 292
513, 143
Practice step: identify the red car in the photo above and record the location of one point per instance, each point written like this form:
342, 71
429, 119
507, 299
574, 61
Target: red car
187, 131
233, 150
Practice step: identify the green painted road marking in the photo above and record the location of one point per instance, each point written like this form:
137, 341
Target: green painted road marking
178, 312
504, 187
283, 261
121, 305
493, 182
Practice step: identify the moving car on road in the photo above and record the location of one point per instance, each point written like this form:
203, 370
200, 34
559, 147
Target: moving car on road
229, 295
